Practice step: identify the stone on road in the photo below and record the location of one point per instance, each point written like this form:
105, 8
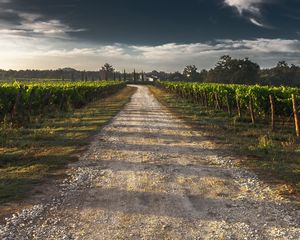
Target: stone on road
148, 175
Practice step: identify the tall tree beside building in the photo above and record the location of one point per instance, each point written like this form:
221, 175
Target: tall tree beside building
108, 69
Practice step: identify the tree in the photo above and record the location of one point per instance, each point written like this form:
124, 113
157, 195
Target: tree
143, 77
221, 72
100, 75
282, 65
158, 75
176, 76
134, 75
124, 75
203, 75
239, 71
245, 71
190, 72
82, 75
72, 76
283, 73
108, 69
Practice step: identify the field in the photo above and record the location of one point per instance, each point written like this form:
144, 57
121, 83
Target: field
100, 160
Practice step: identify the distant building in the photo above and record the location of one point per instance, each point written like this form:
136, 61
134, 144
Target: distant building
151, 78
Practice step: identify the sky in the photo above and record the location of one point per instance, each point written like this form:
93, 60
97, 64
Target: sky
145, 35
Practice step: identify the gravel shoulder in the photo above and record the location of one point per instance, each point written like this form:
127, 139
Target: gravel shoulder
148, 175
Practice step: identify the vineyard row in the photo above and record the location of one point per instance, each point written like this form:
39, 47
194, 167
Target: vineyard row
257, 101
19, 101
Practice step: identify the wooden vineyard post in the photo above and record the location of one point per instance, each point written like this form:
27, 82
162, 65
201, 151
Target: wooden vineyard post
272, 106
295, 109
238, 105
195, 97
217, 103
228, 104
251, 110
206, 99
17, 107
202, 99
200, 95
45, 101
62, 104
31, 98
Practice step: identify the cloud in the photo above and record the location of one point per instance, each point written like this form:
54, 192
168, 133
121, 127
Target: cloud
24, 24
43, 54
245, 5
263, 45
255, 22
249, 9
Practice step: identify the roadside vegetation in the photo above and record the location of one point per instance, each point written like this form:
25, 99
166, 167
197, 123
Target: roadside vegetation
19, 101
273, 155
36, 153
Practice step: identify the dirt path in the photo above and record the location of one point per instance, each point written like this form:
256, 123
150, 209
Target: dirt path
148, 175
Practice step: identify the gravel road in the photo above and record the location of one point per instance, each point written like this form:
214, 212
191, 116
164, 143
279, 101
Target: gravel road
148, 175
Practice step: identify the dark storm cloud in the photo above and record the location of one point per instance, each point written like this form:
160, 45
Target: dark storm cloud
156, 22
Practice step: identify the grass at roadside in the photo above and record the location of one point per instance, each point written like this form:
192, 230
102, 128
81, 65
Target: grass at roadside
274, 156
29, 156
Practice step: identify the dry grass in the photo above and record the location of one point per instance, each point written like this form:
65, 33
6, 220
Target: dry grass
30, 156
274, 156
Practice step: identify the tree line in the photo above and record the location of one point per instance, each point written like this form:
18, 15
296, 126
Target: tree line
70, 74
242, 71
106, 72
226, 70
